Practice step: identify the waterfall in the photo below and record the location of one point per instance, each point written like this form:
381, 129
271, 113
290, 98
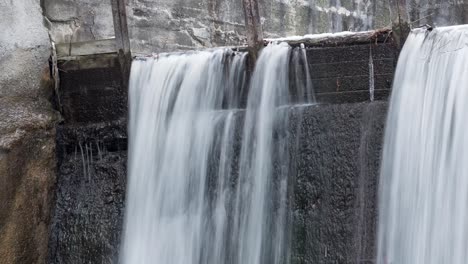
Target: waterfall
208, 181
424, 184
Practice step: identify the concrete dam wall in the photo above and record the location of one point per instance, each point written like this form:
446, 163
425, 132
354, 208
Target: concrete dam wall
333, 209
166, 25
63, 164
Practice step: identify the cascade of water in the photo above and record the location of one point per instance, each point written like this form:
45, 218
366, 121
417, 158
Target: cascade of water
208, 185
423, 186
371, 76
175, 117
261, 236
302, 82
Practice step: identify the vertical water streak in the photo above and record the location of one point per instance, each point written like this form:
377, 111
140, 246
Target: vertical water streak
371, 76
301, 81
423, 186
235, 84
258, 231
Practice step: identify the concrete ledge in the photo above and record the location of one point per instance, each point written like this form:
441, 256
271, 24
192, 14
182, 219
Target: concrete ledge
337, 39
101, 46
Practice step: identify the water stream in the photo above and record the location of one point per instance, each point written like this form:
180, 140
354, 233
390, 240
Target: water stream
208, 181
424, 184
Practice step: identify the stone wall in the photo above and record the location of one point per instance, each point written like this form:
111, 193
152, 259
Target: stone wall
27, 133
167, 25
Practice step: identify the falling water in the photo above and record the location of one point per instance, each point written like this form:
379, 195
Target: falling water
302, 82
208, 182
424, 183
371, 76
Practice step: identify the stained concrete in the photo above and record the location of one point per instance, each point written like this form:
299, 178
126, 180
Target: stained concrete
91, 157
27, 176
335, 192
76, 21
166, 25
27, 133
91, 89
344, 73
333, 175
88, 216
24, 48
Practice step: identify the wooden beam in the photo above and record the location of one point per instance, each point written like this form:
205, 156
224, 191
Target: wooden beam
122, 39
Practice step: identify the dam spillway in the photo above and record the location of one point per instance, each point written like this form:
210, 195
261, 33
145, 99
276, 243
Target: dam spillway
332, 215
191, 197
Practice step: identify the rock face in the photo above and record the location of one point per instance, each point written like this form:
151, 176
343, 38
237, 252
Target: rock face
27, 134
167, 25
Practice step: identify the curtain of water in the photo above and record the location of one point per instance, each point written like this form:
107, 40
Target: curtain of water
261, 223
424, 184
208, 185
174, 120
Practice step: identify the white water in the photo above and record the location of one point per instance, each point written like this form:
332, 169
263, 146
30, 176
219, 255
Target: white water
203, 185
424, 178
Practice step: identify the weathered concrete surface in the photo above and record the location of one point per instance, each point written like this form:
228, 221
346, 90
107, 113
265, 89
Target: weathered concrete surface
88, 219
27, 133
24, 48
167, 25
27, 175
76, 21
334, 177
92, 158
334, 205
435, 12
345, 74
91, 89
